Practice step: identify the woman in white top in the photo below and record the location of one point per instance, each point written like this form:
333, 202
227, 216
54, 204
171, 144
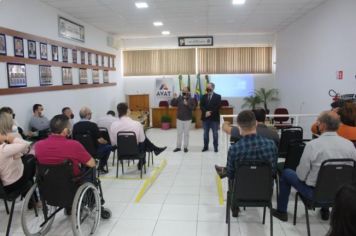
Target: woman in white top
16, 170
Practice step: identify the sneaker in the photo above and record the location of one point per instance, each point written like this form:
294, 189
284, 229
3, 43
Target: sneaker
176, 150
204, 149
185, 149
283, 216
102, 171
221, 171
325, 214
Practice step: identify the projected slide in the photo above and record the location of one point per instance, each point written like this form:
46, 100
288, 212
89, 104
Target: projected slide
233, 85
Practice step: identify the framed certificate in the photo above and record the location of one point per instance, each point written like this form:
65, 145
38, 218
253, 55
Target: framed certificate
83, 76
70, 30
45, 75
96, 79
16, 74
3, 44
18, 47
32, 52
43, 51
67, 77
106, 76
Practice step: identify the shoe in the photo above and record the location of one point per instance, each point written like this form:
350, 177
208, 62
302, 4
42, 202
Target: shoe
325, 214
215, 149
176, 150
204, 149
102, 171
185, 149
235, 212
139, 166
283, 216
159, 150
221, 171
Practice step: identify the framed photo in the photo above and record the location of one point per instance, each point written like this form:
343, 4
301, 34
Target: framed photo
45, 75
96, 79
43, 51
83, 76
18, 47
89, 58
32, 52
16, 75
96, 59
3, 44
82, 57
113, 62
65, 54
75, 56
70, 30
54, 53
67, 77
106, 76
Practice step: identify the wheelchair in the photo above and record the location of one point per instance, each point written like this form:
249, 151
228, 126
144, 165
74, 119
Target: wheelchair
58, 189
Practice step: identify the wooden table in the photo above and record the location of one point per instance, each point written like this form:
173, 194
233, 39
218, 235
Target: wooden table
157, 113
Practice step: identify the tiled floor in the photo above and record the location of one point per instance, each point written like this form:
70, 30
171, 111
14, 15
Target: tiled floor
183, 201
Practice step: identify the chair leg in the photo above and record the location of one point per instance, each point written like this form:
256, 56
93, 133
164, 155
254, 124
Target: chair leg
6, 207
307, 219
10, 217
271, 219
264, 215
122, 166
295, 209
113, 158
117, 167
227, 207
152, 158
148, 158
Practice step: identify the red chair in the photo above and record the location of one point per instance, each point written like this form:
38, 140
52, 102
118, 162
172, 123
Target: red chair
224, 103
163, 104
282, 119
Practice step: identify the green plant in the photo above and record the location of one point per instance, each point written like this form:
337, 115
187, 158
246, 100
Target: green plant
166, 119
267, 95
251, 101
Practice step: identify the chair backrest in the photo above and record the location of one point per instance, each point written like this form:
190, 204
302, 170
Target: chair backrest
281, 111
127, 145
288, 135
104, 133
55, 183
332, 175
294, 153
87, 141
253, 181
224, 103
163, 104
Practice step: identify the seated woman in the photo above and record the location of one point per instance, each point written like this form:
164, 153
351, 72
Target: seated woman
16, 170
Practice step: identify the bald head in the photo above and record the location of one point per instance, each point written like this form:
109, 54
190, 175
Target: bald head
85, 113
328, 121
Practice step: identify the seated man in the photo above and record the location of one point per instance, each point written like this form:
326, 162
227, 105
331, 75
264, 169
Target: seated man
107, 120
251, 146
125, 123
68, 113
39, 124
85, 126
328, 146
261, 130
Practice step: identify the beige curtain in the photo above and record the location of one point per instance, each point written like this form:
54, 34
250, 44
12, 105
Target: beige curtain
159, 62
243, 60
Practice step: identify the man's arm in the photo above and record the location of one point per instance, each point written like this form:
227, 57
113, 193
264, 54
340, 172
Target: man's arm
227, 127
304, 166
91, 163
191, 103
217, 104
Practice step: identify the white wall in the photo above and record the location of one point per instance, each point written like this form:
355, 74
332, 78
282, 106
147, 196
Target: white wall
146, 84
311, 51
35, 17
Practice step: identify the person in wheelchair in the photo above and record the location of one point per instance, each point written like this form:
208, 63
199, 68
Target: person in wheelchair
57, 149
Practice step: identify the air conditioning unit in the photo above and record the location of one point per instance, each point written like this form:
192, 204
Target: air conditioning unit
112, 42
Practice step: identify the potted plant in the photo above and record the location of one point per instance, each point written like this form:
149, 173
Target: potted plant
166, 121
251, 101
267, 95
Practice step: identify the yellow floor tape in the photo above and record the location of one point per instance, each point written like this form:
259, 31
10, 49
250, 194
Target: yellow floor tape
220, 190
148, 182
122, 178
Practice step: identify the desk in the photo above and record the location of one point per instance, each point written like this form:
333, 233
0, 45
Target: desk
157, 113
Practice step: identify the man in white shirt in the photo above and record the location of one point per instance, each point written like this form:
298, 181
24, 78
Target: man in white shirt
125, 123
107, 120
328, 146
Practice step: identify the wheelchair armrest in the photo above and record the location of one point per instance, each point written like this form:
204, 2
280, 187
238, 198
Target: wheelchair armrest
83, 175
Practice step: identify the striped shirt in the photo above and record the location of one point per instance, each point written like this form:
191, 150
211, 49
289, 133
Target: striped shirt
251, 147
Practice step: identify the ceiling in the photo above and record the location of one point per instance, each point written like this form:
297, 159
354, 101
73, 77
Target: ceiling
186, 17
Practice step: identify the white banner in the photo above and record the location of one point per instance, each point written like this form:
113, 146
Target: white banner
163, 90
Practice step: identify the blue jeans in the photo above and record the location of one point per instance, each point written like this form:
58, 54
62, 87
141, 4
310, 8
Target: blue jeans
214, 126
290, 179
103, 153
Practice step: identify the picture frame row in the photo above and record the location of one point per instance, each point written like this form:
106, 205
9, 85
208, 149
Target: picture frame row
19, 51
16, 74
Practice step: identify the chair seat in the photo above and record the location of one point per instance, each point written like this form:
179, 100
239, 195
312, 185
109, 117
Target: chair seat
15, 194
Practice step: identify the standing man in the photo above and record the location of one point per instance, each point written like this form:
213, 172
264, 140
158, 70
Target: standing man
185, 105
210, 105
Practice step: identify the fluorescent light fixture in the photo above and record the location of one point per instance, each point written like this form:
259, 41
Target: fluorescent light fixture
238, 2
166, 32
157, 23
141, 4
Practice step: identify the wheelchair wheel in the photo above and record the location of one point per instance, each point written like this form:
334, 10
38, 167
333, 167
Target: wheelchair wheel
32, 219
86, 210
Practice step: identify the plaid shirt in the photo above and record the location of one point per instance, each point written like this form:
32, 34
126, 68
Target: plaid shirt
251, 147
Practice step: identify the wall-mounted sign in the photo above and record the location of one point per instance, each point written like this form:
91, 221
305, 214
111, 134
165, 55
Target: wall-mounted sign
195, 41
70, 30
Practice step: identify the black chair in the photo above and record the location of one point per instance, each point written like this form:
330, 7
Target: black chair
252, 187
332, 175
104, 133
12, 197
287, 135
127, 149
